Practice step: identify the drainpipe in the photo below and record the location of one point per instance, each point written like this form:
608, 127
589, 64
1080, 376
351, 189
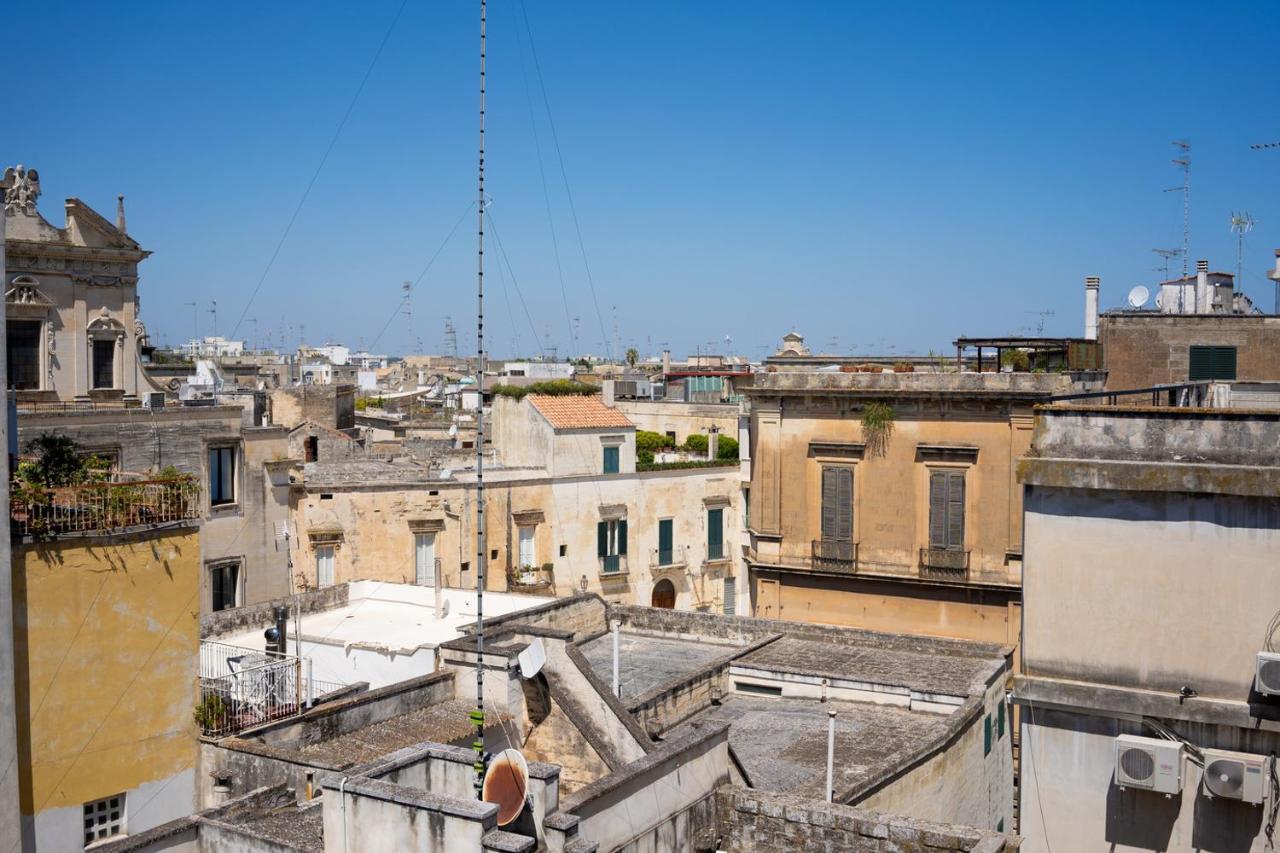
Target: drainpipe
831, 752
617, 687
342, 798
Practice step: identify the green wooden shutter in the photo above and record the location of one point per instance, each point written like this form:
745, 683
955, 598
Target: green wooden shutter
622, 537
664, 542
938, 509
602, 539
715, 533
1212, 362
730, 596
986, 735
1000, 719
955, 510
844, 504
829, 499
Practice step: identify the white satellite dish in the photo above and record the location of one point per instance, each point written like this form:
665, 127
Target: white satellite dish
1138, 297
532, 658
1160, 299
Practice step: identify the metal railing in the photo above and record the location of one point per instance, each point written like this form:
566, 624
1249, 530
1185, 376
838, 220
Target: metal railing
944, 563
241, 688
1175, 395
675, 557
45, 512
834, 555
613, 564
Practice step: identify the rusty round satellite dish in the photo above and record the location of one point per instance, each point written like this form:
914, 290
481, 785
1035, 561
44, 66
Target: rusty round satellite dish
506, 783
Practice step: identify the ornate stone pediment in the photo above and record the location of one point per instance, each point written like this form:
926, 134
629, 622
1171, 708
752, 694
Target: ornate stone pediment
26, 292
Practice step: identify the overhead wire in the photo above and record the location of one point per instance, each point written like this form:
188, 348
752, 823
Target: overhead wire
319, 167
519, 294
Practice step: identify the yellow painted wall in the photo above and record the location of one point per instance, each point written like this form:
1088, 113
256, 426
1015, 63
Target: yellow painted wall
106, 644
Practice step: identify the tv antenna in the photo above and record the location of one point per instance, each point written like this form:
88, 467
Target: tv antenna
450, 337
1242, 224
213, 309
1044, 315
1166, 254
407, 290
1183, 162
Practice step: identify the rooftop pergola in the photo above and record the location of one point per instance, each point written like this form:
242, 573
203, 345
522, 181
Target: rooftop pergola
1034, 345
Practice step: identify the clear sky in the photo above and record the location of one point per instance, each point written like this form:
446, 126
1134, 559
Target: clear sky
875, 176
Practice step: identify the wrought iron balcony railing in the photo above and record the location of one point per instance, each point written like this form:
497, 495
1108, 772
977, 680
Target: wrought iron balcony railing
613, 564
944, 563
46, 512
664, 559
834, 555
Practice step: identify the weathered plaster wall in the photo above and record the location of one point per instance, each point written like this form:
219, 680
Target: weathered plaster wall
1141, 350
684, 419
106, 639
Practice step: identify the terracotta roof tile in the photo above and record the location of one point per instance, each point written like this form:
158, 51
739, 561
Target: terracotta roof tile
577, 412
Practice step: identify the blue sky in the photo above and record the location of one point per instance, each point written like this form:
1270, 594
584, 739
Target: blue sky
884, 176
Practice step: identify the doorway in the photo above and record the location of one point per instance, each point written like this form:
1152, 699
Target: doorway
664, 594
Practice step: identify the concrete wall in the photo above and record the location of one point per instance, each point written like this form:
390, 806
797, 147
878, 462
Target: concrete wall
333, 406
1123, 587
1071, 802
1141, 350
372, 817
684, 419
9, 811
106, 642
754, 820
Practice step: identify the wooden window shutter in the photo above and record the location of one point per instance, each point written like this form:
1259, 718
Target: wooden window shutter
844, 504
622, 537
602, 539
955, 510
829, 498
938, 509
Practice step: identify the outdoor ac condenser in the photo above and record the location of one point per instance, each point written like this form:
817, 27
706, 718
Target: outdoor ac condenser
1151, 764
1266, 678
1236, 776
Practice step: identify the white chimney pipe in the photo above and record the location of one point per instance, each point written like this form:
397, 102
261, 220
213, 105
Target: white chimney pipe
1092, 285
617, 685
831, 753
1202, 287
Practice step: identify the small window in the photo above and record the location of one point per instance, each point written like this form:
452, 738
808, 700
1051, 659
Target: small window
104, 363
222, 475
103, 819
324, 565
1000, 825
671, 437
730, 596
311, 450
715, 534
986, 735
564, 550
758, 689
224, 586
493, 554
1211, 362
465, 567
1000, 719
611, 460
24, 354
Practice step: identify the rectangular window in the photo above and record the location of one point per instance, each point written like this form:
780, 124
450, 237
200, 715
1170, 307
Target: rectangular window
224, 586
837, 504
104, 363
424, 558
946, 510
715, 534
1000, 719
666, 538
222, 475
1212, 362
24, 354
611, 460
103, 819
324, 565
611, 545
528, 557
986, 735
730, 596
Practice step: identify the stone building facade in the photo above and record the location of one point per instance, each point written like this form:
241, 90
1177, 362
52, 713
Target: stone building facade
1142, 349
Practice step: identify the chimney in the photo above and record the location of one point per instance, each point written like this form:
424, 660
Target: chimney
666, 354
1274, 275
1202, 288
1092, 284
120, 214
713, 442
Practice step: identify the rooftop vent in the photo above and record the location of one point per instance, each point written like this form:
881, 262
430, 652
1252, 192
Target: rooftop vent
1202, 266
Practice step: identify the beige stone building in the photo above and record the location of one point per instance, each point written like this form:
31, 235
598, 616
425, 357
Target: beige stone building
914, 527
566, 511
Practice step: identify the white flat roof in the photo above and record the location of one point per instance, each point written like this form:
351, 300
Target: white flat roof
395, 616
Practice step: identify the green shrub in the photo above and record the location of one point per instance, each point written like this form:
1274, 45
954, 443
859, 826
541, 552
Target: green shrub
727, 448
688, 463
652, 441
211, 713
696, 443
551, 388
1015, 359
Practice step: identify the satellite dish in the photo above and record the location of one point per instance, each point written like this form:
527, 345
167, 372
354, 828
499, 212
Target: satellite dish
1225, 778
532, 658
506, 784
1160, 299
1138, 297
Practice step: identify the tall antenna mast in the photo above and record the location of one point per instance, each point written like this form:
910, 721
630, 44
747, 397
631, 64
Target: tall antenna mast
406, 290
477, 716
450, 338
213, 309
1242, 224
1166, 255
1183, 162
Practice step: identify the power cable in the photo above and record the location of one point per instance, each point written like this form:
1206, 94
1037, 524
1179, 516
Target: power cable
520, 295
316, 174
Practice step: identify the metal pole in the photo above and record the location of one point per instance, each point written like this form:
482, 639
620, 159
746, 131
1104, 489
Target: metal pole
617, 680
311, 684
831, 752
477, 716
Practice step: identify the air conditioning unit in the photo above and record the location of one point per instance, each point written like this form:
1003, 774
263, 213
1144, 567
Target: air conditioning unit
153, 400
1266, 678
1151, 764
1235, 776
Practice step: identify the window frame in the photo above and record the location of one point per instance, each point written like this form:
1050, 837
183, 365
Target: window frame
670, 552
95, 345
330, 551
237, 585
421, 537
1210, 355
527, 533
234, 499
39, 351
832, 532
947, 526
611, 452
611, 544
716, 549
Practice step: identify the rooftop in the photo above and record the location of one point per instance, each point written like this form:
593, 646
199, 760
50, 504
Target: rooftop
578, 412
647, 662
442, 722
994, 385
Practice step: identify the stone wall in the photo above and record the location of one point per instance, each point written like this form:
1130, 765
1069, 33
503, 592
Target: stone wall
241, 619
749, 820
328, 405
1141, 350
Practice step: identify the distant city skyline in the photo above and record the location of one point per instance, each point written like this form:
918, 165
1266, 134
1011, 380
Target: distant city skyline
880, 181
